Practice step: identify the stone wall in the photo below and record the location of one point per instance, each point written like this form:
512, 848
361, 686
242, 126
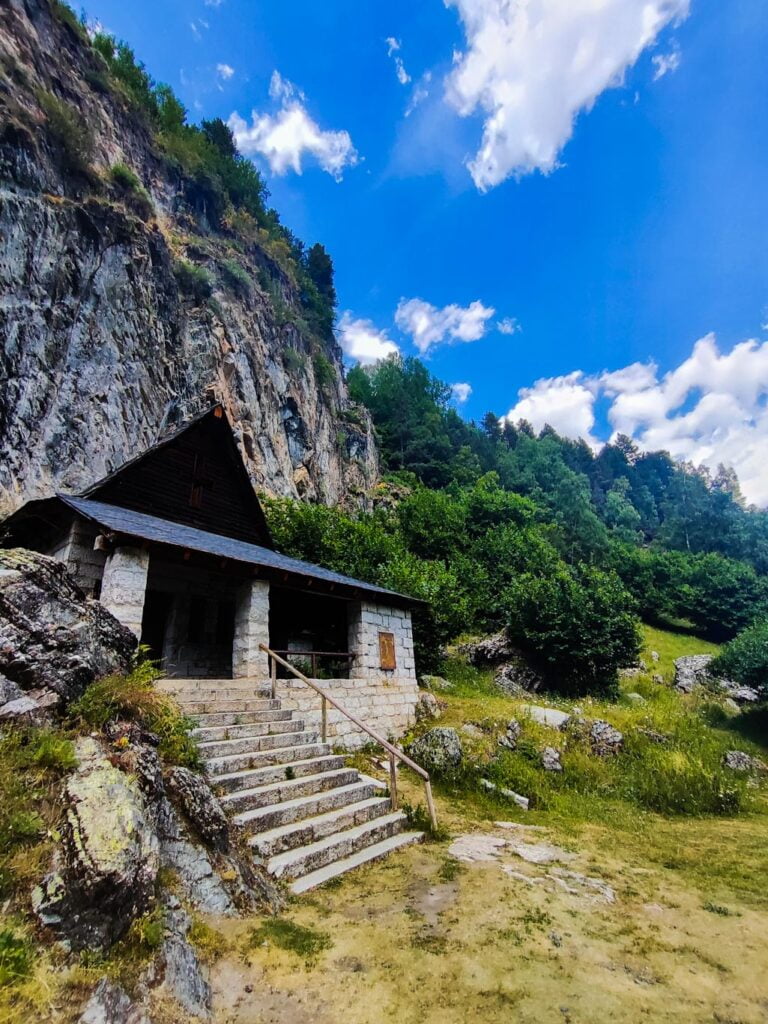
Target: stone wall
366, 622
388, 706
75, 549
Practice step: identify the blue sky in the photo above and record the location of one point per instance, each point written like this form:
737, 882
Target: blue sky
593, 172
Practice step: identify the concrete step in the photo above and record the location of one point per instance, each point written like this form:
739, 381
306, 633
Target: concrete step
257, 777
220, 707
172, 684
249, 744
306, 859
262, 714
210, 734
364, 856
260, 758
291, 800
308, 830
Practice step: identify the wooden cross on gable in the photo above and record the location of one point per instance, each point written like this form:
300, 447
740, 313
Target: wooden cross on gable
201, 478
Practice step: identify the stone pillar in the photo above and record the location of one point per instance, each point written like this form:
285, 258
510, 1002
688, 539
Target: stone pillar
251, 629
124, 585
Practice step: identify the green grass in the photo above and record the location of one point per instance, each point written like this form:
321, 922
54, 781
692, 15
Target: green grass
682, 776
307, 943
16, 957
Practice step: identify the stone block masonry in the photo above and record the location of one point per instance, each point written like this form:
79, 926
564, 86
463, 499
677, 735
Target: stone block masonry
366, 622
124, 585
251, 629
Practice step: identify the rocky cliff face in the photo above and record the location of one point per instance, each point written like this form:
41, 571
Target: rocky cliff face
101, 348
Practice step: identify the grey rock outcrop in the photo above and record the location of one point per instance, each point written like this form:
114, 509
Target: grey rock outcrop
741, 761
110, 1004
604, 739
691, 671
550, 760
101, 348
438, 750
514, 675
110, 855
54, 640
428, 682
511, 735
183, 975
546, 716
200, 807
428, 707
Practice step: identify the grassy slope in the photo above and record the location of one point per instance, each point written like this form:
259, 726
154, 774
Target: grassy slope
420, 938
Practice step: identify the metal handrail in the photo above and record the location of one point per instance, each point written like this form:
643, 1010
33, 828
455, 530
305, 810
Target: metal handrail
394, 753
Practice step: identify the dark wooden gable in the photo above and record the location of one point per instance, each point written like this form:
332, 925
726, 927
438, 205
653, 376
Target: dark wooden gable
195, 477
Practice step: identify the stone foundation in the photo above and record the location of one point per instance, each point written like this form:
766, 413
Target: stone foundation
388, 707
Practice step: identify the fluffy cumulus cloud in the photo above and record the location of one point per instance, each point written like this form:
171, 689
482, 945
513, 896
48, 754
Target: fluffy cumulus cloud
530, 68
509, 325
429, 326
460, 392
712, 408
225, 71
289, 136
364, 342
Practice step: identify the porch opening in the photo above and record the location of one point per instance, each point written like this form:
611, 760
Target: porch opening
311, 632
188, 621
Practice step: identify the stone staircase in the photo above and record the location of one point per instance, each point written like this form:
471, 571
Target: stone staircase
307, 817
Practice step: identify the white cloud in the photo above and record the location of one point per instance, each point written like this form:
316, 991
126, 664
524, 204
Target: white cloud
428, 326
712, 408
393, 45
530, 68
290, 135
565, 403
364, 342
419, 94
665, 63
460, 392
225, 71
509, 325
198, 27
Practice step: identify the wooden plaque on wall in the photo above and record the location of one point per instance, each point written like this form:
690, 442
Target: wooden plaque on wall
387, 660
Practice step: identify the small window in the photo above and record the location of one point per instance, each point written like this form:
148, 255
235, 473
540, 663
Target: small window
387, 660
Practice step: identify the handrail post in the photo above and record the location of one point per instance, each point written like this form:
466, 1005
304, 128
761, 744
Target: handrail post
273, 663
430, 803
392, 782
325, 720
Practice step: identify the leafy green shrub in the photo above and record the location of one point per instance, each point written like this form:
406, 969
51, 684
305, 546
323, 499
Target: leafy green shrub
193, 280
135, 697
134, 193
237, 277
745, 658
70, 133
578, 625
146, 933
124, 177
16, 957
325, 373
293, 360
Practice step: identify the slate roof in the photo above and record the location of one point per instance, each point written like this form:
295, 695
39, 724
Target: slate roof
162, 531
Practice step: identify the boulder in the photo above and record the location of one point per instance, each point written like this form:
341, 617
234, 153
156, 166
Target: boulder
635, 698
655, 656
428, 707
741, 761
516, 676
52, 637
438, 750
491, 650
110, 1004
110, 855
691, 671
512, 735
24, 708
201, 808
739, 694
604, 739
546, 716
550, 760
434, 683
9, 691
